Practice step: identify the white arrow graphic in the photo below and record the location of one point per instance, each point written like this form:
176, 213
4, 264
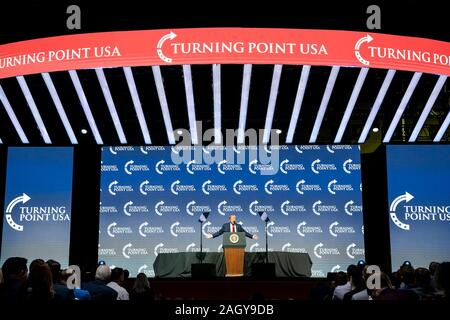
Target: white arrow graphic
250, 168
172, 187
253, 246
112, 150
176, 223
285, 246
299, 228
271, 223
329, 149
188, 169
159, 245
347, 211
298, 150
236, 149
282, 208
24, 198
219, 166
206, 224
108, 229
297, 186
316, 247
334, 181
266, 185
358, 44
219, 207
175, 150
314, 207
205, 150
157, 166
161, 55
125, 207
313, 169
282, 164
251, 209
110, 186
350, 246
331, 228
335, 268
187, 208
235, 187
157, 208
344, 166
142, 225
404, 197
189, 246
142, 268
124, 250
141, 187
267, 149
204, 186
126, 167
143, 150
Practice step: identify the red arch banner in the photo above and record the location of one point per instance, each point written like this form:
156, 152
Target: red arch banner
225, 46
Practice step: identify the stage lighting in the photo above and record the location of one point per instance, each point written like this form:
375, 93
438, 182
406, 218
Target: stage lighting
406, 264
101, 263
361, 263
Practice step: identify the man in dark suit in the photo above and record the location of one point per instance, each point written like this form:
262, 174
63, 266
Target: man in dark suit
232, 226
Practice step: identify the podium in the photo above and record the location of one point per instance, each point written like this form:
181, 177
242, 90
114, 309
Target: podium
234, 248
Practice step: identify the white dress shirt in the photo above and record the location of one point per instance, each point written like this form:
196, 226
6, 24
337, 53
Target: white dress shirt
231, 227
122, 294
340, 291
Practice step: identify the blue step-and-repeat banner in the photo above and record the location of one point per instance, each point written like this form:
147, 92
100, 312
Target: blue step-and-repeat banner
152, 197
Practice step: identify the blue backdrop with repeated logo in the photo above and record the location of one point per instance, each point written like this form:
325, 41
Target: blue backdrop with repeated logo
38, 197
419, 204
152, 197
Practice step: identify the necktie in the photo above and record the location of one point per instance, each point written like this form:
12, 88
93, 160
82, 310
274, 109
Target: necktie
233, 230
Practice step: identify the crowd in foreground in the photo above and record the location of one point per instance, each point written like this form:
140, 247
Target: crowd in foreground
46, 282
406, 284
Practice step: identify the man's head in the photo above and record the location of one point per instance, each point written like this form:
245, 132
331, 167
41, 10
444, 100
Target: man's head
117, 275
15, 268
103, 273
232, 218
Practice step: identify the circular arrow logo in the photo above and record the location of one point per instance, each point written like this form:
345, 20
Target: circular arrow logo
313, 166
173, 187
172, 227
159, 51
253, 246
392, 210
314, 207
108, 229
235, 187
219, 168
299, 228
330, 186
24, 198
204, 186
142, 187
157, 247
271, 223
125, 208
316, 250
250, 207
285, 246
298, 188
250, 166
358, 44
348, 250
266, 186
348, 204
344, 166
127, 171
283, 211
205, 225
331, 227
159, 213
111, 187
143, 225
219, 209
188, 167
188, 209
282, 166
124, 250
157, 169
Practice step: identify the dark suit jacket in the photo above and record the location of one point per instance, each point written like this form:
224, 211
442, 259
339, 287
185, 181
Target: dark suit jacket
226, 228
100, 291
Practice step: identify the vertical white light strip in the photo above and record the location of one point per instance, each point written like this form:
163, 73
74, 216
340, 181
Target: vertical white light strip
431, 100
163, 102
442, 129
110, 103
298, 103
324, 103
32, 105
85, 104
401, 108
217, 104
244, 102
59, 107
351, 103
137, 104
377, 104
187, 75
272, 101
12, 116
1, 142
